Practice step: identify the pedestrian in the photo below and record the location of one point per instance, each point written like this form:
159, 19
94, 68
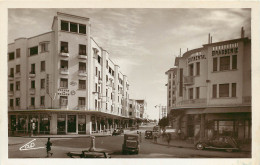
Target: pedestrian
155, 137
140, 135
179, 133
48, 148
168, 138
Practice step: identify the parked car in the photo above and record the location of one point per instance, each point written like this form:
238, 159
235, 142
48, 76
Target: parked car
89, 154
148, 134
156, 128
116, 132
220, 142
131, 144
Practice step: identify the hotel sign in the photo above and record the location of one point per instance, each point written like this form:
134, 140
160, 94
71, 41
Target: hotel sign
224, 51
63, 92
196, 58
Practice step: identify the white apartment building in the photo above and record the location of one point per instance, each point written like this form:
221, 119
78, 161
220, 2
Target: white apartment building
212, 92
63, 82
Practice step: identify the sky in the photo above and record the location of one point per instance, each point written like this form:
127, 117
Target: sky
143, 42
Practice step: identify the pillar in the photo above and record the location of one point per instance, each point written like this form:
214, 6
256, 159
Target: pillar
66, 123
16, 129
27, 121
77, 124
39, 119
88, 125
53, 124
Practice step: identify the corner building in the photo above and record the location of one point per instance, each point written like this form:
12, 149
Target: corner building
63, 82
212, 90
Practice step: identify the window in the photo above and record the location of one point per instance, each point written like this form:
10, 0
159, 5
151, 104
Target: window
82, 66
223, 90
99, 59
106, 78
32, 68
11, 72
214, 92
64, 83
234, 88
95, 104
11, 87
82, 84
42, 83
197, 92
181, 82
64, 47
17, 85
96, 71
96, 87
64, 26
191, 69
82, 50
106, 92
82, 29
82, 101
44, 47
34, 50
107, 65
130, 113
191, 93
42, 66
215, 64
64, 64
224, 63
169, 76
11, 102
73, 27
17, 102
197, 68
17, 68
11, 56
32, 101
33, 84
234, 62
18, 53
42, 100
63, 100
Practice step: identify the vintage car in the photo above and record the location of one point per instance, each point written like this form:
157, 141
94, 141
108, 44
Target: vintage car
148, 134
89, 154
220, 142
131, 144
156, 128
117, 132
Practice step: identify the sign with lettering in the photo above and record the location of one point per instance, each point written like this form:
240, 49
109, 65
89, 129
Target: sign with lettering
47, 83
224, 51
196, 58
63, 92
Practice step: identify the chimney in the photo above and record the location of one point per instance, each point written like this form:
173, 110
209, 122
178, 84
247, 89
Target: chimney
209, 39
242, 32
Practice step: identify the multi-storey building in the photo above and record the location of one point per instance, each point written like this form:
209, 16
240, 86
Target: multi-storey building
171, 89
213, 90
63, 82
143, 107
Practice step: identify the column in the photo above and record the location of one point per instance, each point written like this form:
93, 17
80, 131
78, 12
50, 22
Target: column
77, 124
66, 123
16, 122
88, 125
39, 119
27, 121
53, 124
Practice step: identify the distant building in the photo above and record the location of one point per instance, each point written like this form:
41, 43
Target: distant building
209, 90
63, 82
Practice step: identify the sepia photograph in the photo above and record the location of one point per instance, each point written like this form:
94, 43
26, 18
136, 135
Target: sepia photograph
129, 83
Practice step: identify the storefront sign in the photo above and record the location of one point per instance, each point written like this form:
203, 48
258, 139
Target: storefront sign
224, 51
63, 92
195, 58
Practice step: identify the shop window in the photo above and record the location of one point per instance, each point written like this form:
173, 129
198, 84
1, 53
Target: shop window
197, 68
64, 47
64, 25
42, 100
73, 27
33, 50
82, 29
214, 91
82, 50
42, 83
18, 53
223, 90
215, 64
45, 124
42, 66
61, 124
21, 126
224, 63
81, 124
11, 56
234, 62
64, 83
234, 88
13, 122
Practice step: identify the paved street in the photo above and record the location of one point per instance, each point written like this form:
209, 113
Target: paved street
112, 145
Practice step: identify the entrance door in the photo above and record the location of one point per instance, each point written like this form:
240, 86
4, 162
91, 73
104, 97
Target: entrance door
71, 123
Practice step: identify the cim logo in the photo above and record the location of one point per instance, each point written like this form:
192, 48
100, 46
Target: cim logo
29, 146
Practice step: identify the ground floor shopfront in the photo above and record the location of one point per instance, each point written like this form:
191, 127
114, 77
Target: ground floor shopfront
62, 122
209, 122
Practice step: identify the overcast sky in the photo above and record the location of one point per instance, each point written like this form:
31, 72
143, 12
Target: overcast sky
143, 42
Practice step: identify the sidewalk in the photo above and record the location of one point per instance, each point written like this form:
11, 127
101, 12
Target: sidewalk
184, 144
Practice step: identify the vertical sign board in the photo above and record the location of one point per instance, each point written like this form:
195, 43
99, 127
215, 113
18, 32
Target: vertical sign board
47, 83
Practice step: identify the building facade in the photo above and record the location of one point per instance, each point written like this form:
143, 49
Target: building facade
213, 90
63, 82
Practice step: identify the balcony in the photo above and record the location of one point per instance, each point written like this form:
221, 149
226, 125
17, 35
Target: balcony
64, 71
192, 103
32, 91
247, 100
82, 56
83, 73
188, 80
32, 74
64, 54
11, 77
10, 93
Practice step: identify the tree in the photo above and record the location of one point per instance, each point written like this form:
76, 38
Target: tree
163, 122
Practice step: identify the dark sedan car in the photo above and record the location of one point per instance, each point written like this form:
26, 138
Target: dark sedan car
148, 134
221, 142
117, 132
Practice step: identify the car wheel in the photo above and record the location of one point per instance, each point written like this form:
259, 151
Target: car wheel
229, 150
199, 146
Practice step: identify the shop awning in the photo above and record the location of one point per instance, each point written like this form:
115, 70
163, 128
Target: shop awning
227, 109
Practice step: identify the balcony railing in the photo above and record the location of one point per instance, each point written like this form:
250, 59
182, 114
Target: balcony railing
188, 80
192, 103
247, 100
10, 93
82, 56
32, 74
64, 54
64, 71
83, 73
